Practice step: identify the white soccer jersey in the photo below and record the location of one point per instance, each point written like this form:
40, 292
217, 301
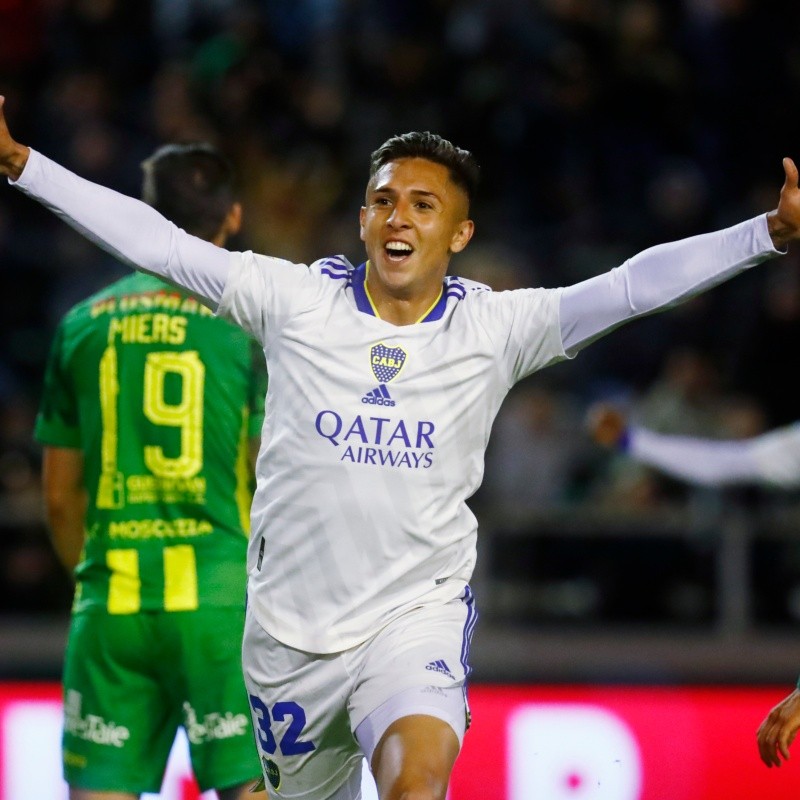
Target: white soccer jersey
772, 459
375, 436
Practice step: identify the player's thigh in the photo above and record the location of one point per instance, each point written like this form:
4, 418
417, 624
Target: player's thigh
299, 708
416, 666
119, 719
415, 757
216, 712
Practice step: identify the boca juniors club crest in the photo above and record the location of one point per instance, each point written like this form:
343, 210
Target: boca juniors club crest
386, 362
272, 772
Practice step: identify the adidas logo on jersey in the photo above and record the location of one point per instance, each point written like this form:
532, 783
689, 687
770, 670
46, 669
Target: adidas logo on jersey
440, 666
378, 397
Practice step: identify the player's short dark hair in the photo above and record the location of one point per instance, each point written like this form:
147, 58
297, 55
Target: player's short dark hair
192, 185
464, 169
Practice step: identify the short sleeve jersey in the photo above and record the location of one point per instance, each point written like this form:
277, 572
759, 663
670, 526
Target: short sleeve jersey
373, 440
161, 397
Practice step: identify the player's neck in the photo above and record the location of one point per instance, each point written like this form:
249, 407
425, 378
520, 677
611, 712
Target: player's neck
400, 308
405, 303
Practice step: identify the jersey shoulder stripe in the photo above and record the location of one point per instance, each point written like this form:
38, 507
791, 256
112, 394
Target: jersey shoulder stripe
465, 285
455, 289
335, 268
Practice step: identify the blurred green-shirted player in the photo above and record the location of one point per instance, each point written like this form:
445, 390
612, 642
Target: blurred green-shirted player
149, 409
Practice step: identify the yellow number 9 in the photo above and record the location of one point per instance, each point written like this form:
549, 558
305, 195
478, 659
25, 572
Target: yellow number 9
187, 414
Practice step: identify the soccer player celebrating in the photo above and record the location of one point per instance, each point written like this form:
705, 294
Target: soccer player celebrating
148, 409
384, 381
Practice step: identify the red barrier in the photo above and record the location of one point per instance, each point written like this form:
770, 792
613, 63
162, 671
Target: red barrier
525, 743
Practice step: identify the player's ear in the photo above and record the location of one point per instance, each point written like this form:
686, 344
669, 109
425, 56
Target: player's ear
233, 220
362, 216
462, 236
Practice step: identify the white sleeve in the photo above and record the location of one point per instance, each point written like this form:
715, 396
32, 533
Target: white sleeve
128, 229
658, 278
778, 456
709, 462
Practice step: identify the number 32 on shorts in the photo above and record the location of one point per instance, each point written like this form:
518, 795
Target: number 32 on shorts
290, 744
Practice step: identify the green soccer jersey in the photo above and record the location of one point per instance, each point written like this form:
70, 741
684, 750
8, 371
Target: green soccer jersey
161, 397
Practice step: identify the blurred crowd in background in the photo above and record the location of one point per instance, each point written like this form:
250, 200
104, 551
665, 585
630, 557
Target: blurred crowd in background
602, 127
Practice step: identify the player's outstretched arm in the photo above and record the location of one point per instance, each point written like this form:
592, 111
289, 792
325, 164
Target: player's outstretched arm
702, 462
127, 228
778, 730
668, 274
13, 155
784, 221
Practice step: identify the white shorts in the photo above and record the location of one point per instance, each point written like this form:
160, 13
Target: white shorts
316, 716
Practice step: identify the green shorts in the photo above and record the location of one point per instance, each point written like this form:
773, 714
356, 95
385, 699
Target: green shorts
131, 680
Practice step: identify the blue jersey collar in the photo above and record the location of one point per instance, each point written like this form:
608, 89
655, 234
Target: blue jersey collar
365, 305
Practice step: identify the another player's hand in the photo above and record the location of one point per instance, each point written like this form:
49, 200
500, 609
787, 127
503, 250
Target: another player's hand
605, 424
777, 732
13, 156
784, 221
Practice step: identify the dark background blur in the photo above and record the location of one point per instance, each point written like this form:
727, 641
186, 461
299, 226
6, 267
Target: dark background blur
602, 127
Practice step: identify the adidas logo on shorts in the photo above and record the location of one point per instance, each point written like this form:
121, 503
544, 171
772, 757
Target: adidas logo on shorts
440, 666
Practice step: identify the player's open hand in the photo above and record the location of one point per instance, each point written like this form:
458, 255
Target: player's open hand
13, 156
784, 221
605, 424
777, 732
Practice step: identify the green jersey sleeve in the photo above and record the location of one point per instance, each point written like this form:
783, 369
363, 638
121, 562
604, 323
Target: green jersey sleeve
57, 421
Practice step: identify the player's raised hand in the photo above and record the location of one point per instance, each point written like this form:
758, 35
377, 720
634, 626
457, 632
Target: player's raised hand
784, 221
13, 156
605, 424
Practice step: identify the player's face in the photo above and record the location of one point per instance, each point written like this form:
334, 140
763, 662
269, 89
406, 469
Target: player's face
414, 219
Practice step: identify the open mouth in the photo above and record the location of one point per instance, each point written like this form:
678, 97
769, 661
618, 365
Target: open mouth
397, 251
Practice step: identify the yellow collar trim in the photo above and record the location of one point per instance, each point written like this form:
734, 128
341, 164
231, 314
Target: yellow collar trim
375, 310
